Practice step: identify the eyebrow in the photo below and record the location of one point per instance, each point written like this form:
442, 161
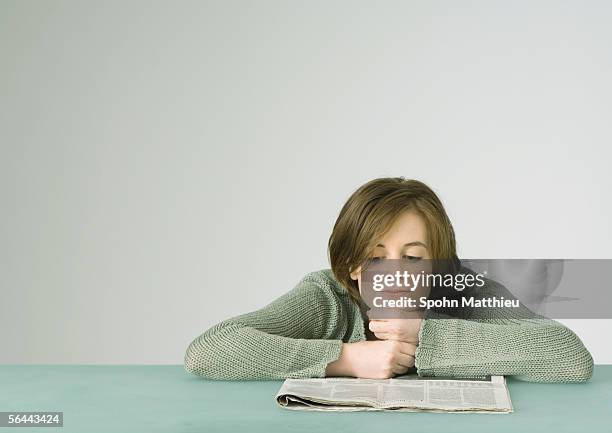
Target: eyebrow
409, 244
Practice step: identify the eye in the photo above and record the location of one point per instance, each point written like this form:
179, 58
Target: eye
376, 259
412, 258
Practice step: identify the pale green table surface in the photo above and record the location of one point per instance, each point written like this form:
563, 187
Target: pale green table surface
165, 398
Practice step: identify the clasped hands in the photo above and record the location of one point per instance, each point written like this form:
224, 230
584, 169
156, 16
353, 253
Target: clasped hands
392, 354
396, 348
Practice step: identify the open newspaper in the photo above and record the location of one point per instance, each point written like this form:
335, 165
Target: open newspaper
410, 393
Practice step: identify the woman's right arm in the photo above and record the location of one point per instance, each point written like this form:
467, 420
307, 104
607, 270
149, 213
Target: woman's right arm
295, 336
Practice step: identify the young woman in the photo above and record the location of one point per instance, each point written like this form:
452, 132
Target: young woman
320, 328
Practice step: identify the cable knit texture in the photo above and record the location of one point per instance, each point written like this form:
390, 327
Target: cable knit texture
300, 332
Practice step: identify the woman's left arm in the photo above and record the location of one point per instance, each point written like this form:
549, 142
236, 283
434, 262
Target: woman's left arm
531, 348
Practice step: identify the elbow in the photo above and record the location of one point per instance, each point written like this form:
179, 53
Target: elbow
586, 371
566, 359
193, 359
199, 359
581, 366
210, 355
576, 363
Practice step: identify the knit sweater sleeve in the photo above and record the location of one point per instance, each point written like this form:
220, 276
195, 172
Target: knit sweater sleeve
525, 345
294, 336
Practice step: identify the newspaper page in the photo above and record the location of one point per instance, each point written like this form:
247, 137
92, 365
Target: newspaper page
409, 393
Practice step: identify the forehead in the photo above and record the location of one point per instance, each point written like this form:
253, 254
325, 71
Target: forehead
408, 227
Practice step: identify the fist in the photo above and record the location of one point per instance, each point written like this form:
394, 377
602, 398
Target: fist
380, 359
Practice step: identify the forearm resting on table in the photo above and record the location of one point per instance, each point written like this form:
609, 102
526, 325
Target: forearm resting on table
343, 365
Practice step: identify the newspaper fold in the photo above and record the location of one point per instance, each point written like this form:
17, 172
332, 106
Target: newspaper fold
407, 393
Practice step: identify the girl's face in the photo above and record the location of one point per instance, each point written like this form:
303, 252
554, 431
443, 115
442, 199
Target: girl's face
407, 238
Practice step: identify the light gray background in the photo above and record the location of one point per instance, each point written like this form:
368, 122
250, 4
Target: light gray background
165, 165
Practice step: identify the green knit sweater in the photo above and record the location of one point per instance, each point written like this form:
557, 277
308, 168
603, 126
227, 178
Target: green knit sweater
299, 333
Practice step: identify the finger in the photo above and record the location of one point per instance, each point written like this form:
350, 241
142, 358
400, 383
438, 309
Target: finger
399, 369
412, 314
383, 336
407, 348
395, 337
410, 339
405, 360
392, 336
378, 325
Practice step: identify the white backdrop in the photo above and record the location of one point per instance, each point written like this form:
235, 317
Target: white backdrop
165, 165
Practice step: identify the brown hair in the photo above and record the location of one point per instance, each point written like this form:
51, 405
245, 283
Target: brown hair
371, 211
